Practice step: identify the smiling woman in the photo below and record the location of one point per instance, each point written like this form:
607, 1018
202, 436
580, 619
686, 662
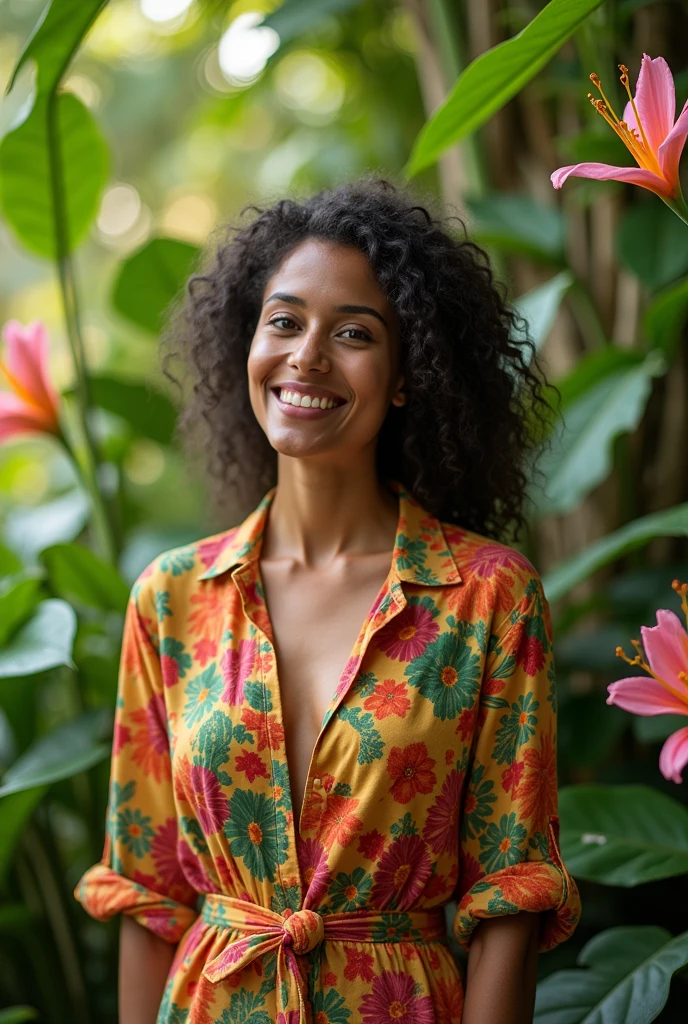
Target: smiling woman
339, 716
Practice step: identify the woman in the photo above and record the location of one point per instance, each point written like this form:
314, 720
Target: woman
284, 850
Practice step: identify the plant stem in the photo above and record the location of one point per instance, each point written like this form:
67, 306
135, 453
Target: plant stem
101, 520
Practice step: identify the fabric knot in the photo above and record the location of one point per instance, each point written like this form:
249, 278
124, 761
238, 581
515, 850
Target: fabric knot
303, 930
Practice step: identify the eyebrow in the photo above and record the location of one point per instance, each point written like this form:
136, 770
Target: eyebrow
296, 300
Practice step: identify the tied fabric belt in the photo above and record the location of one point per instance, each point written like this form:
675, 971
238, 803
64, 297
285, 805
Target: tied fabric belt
295, 933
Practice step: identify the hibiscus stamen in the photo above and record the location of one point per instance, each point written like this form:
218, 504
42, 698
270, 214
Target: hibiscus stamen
640, 661
682, 590
624, 81
639, 150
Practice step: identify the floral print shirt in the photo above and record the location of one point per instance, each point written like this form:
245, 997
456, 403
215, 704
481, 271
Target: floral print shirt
433, 780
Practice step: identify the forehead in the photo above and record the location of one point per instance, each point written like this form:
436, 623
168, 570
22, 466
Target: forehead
319, 269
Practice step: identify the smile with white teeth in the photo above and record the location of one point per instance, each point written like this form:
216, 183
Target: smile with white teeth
306, 401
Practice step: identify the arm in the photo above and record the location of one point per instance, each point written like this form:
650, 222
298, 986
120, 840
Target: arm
504, 948
144, 963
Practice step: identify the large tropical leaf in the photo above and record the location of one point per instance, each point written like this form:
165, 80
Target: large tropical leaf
540, 306
518, 223
15, 811
76, 573
18, 1014
671, 522
622, 835
27, 175
71, 748
16, 605
582, 448
148, 281
44, 642
665, 316
495, 76
653, 243
30, 529
149, 413
626, 979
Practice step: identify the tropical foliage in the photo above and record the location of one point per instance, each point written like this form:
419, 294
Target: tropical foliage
128, 130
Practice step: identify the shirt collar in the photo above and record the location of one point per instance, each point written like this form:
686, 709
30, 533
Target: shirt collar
421, 553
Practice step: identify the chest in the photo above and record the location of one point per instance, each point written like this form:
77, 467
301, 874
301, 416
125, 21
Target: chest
316, 616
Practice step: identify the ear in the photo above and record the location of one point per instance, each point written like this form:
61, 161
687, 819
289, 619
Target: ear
399, 396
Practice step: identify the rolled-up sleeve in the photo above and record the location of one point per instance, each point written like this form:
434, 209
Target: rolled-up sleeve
139, 873
509, 833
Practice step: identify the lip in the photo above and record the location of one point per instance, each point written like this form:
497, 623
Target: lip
305, 389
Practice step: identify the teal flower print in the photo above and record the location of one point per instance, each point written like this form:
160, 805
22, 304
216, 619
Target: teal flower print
349, 892
448, 674
410, 552
133, 829
478, 806
257, 833
202, 692
330, 1006
502, 844
517, 726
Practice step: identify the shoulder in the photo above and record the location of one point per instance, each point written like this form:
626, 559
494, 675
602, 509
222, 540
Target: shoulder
496, 574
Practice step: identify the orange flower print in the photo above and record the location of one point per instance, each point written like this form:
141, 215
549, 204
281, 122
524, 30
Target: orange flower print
410, 769
537, 791
389, 698
339, 823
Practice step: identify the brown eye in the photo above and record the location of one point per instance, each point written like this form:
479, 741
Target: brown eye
283, 320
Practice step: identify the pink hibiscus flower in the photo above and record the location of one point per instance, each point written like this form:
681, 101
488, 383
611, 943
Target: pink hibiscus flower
236, 667
402, 873
407, 635
393, 998
208, 799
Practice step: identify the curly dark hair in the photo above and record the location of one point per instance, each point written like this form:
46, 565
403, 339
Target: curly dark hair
475, 415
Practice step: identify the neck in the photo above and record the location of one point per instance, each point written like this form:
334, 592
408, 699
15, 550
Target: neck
321, 512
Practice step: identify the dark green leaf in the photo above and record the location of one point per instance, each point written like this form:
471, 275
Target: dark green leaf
15, 811
44, 642
18, 1014
653, 243
622, 835
540, 306
665, 316
626, 979
148, 412
76, 573
26, 193
67, 750
55, 39
16, 605
671, 522
517, 223
30, 529
588, 729
495, 76
150, 279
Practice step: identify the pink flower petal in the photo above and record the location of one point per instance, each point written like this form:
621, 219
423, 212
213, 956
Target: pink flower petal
17, 418
27, 360
643, 695
655, 99
666, 646
672, 147
673, 756
630, 118
605, 172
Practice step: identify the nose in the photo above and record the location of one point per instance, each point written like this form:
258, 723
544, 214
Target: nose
309, 352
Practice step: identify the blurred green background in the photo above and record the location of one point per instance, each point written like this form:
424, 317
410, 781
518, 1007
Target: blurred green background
195, 110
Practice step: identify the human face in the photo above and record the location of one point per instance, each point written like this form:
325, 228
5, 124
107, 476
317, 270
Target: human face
327, 339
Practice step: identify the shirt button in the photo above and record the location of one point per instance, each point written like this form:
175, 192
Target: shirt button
317, 782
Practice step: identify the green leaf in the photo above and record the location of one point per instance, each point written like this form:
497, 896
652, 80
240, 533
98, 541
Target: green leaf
15, 811
29, 530
626, 979
16, 605
540, 306
622, 835
653, 243
296, 17
581, 455
56, 38
26, 193
75, 572
670, 522
44, 642
517, 223
495, 76
67, 750
665, 316
18, 1014
149, 413
149, 280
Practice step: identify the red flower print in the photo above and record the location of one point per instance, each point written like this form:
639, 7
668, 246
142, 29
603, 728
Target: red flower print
448, 1001
330, 979
193, 869
537, 791
290, 1017
204, 650
407, 635
120, 738
208, 799
531, 654
164, 853
255, 723
410, 769
359, 964
529, 885
151, 745
389, 698
371, 844
392, 999
170, 669
251, 765
338, 822
466, 724
441, 830
404, 869
348, 674
236, 667
511, 777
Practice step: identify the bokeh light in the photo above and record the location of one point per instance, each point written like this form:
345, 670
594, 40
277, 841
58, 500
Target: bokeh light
122, 218
160, 11
311, 85
245, 48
